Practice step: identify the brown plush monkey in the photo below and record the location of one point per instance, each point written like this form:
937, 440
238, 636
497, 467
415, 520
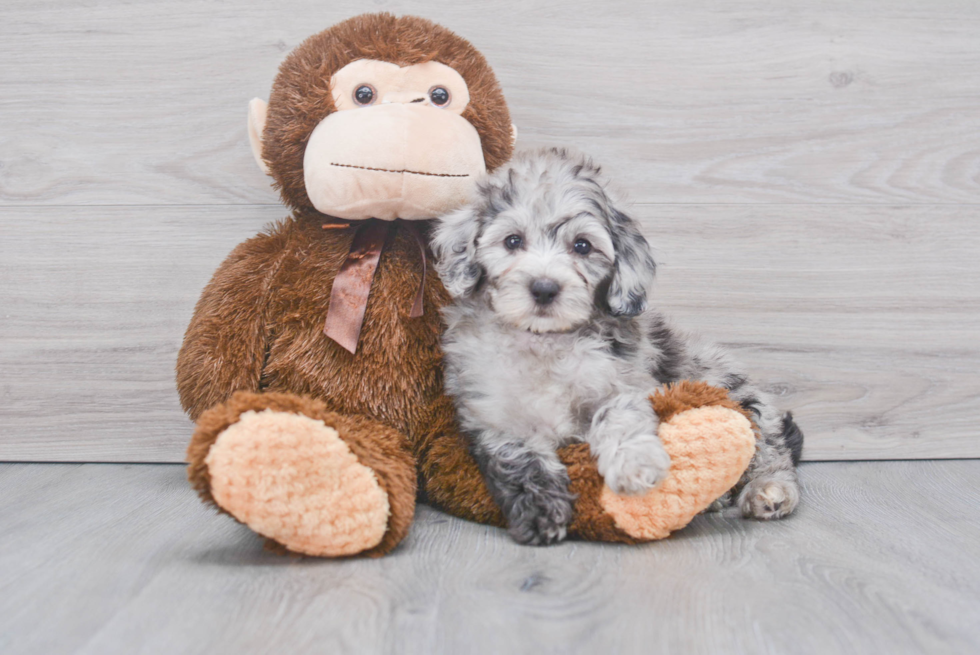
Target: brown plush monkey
312, 362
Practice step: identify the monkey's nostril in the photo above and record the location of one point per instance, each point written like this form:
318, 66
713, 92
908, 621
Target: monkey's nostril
418, 100
544, 290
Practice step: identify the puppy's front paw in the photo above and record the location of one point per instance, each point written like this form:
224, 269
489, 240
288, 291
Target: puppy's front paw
540, 517
634, 467
769, 498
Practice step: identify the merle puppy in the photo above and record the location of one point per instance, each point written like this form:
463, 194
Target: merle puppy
550, 341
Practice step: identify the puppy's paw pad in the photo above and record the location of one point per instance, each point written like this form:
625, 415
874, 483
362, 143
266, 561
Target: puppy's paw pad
541, 519
769, 499
548, 533
634, 470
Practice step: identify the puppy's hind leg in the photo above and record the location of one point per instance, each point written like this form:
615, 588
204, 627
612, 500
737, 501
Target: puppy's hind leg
771, 487
529, 485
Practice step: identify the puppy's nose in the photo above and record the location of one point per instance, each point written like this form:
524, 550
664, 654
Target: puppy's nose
544, 290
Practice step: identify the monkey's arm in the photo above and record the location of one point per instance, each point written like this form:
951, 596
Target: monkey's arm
225, 344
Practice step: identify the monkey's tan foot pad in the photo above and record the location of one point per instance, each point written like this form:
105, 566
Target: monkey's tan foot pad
709, 447
292, 479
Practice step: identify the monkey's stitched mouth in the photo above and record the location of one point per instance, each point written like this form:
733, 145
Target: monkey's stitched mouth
404, 170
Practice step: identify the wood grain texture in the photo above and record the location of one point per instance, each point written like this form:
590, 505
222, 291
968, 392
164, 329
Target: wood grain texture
880, 558
808, 171
864, 325
112, 102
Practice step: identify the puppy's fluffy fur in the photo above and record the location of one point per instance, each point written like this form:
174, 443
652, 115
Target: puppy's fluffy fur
550, 340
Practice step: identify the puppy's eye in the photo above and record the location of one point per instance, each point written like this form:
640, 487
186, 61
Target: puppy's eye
364, 94
513, 242
439, 95
582, 247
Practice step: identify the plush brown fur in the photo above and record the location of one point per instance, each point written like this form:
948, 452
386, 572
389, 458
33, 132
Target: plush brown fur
590, 521
448, 476
301, 95
691, 394
259, 326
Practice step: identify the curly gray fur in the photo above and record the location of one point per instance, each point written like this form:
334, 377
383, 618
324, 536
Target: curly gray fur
550, 341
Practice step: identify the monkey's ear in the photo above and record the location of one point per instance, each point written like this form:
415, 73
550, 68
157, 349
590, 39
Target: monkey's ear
454, 245
634, 268
256, 124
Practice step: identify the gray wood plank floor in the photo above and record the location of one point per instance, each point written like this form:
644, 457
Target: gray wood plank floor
808, 171
881, 558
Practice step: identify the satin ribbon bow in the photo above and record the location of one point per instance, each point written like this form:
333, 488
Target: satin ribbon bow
352, 285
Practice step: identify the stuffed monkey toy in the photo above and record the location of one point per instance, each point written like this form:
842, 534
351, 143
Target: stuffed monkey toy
312, 364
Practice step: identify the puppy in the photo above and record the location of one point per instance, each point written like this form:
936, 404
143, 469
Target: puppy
550, 340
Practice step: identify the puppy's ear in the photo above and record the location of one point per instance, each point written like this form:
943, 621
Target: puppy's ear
633, 269
454, 245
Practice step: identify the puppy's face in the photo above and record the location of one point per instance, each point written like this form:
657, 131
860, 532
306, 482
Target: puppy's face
544, 259
544, 247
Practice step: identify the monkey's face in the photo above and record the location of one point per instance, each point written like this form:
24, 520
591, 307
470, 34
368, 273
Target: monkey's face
397, 145
381, 117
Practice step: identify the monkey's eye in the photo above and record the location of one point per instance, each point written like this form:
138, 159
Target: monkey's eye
439, 95
582, 247
364, 94
513, 242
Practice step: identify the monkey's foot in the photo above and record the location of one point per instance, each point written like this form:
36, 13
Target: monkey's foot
710, 443
709, 449
292, 478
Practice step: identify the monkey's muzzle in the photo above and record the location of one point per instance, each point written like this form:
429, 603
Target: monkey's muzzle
394, 160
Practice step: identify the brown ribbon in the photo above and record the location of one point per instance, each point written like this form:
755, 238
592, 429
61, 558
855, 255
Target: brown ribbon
352, 285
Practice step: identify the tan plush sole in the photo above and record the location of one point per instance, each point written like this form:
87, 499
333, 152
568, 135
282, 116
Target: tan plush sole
709, 447
292, 479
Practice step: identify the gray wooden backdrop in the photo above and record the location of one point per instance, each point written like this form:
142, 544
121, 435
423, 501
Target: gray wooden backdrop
809, 173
